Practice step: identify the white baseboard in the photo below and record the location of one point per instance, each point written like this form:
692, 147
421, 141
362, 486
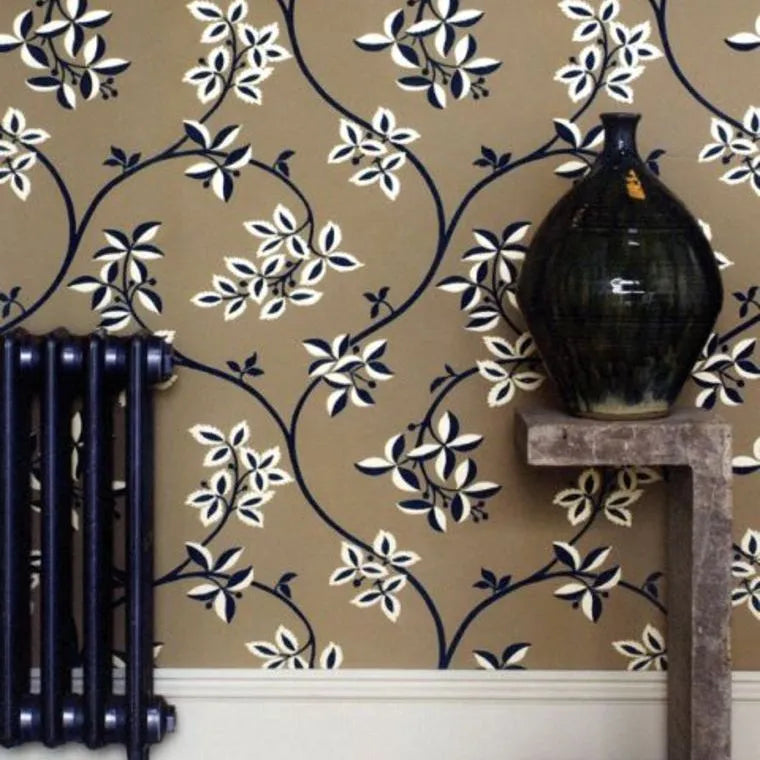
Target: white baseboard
244, 714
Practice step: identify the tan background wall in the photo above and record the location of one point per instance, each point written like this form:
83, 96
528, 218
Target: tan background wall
323, 504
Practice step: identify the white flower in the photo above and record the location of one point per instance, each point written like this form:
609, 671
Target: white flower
139, 244
263, 44
95, 65
356, 567
434, 29
650, 652
634, 46
748, 593
33, 56
218, 23
12, 171
355, 143
448, 441
216, 592
212, 500
591, 23
447, 18
283, 228
749, 170
283, 652
384, 594
746, 561
393, 28
505, 378
509, 246
579, 502
712, 371
262, 470
209, 76
76, 19
581, 76
246, 84
617, 83
403, 478
220, 174
385, 546
384, 123
382, 172
14, 166
726, 144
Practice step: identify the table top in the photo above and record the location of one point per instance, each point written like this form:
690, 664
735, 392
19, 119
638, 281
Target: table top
685, 437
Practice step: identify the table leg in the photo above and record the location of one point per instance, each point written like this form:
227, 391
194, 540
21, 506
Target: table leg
699, 587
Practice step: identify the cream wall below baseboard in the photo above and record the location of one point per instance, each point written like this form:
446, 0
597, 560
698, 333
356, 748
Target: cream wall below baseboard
421, 715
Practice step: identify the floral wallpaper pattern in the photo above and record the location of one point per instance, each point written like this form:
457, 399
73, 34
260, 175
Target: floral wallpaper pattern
324, 206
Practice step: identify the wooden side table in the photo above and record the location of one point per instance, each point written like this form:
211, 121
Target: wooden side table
698, 449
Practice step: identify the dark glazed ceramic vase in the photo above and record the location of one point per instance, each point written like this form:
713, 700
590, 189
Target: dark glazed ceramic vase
620, 288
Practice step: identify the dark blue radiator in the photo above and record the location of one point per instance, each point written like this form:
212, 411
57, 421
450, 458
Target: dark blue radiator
55, 371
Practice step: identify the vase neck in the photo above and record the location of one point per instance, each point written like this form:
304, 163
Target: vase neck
619, 136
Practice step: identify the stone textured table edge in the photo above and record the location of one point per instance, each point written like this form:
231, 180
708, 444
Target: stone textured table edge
697, 447
555, 439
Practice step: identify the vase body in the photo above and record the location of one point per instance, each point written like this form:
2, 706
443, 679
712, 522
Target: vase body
620, 288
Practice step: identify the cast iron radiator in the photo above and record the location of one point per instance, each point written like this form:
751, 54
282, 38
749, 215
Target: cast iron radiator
54, 371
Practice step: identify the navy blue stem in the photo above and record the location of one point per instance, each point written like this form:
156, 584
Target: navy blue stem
182, 360
740, 328
660, 13
297, 612
73, 244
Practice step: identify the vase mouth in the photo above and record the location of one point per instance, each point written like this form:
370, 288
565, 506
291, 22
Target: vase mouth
614, 116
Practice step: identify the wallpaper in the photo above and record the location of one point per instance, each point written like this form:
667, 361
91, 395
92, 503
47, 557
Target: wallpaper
324, 205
